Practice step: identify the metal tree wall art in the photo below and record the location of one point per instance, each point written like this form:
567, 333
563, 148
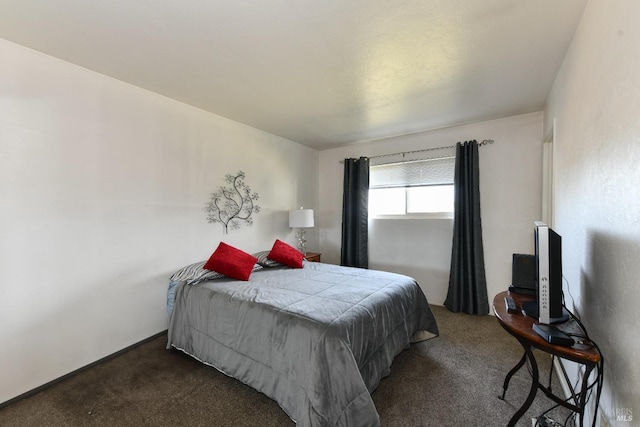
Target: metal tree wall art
232, 205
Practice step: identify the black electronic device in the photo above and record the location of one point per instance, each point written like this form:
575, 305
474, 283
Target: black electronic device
553, 335
547, 307
523, 274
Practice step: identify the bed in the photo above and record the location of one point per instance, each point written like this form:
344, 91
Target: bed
316, 339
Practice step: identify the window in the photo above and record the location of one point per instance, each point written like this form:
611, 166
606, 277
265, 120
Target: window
417, 188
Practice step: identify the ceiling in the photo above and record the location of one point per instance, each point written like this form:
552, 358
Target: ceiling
324, 73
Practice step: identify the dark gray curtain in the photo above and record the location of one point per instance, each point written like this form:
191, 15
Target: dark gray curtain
467, 280
354, 251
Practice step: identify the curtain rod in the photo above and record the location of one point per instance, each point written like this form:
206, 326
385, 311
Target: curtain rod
484, 142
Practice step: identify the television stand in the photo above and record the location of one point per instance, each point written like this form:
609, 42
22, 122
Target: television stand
521, 328
530, 308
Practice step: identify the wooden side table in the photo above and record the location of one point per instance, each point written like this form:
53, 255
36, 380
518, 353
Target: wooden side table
521, 327
312, 257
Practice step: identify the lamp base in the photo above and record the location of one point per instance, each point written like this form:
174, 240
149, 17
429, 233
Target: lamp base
302, 241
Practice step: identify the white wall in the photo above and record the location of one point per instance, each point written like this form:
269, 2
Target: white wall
596, 101
102, 190
510, 188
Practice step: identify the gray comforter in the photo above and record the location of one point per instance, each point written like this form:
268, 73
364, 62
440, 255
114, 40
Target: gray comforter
317, 340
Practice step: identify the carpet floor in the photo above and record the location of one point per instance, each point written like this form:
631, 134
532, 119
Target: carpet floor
454, 379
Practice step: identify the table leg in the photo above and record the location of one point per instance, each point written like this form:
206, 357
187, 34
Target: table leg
511, 373
534, 386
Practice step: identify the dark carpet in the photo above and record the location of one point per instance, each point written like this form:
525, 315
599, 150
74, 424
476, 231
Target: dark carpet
452, 380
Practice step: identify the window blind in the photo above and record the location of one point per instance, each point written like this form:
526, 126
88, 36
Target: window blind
437, 171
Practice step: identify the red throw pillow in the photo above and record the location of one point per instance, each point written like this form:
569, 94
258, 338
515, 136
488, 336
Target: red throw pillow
286, 254
231, 262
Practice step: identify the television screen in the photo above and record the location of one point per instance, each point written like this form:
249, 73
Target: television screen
548, 306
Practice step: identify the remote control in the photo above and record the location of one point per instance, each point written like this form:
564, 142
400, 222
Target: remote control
511, 304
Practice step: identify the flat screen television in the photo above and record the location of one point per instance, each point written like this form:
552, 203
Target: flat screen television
547, 307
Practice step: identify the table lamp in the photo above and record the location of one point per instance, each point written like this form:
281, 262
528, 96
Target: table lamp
301, 219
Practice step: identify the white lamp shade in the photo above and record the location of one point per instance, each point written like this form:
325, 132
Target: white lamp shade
301, 218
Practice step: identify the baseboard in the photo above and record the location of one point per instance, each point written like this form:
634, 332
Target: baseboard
72, 373
566, 391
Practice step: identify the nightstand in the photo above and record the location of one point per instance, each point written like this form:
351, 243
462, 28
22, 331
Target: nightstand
312, 257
